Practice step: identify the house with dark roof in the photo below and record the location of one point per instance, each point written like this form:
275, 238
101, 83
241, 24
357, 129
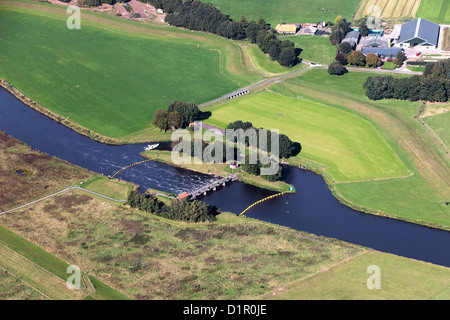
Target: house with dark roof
382, 52
376, 42
353, 38
420, 33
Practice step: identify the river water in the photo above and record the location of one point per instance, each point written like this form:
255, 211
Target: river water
312, 208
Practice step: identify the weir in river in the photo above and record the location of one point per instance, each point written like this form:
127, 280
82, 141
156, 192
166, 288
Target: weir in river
312, 208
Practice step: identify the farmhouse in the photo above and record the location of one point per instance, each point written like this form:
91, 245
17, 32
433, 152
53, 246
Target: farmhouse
376, 42
419, 33
287, 27
353, 38
382, 52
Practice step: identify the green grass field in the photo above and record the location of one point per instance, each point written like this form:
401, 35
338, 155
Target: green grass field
400, 279
261, 62
441, 125
107, 82
111, 75
348, 145
289, 11
317, 49
434, 10
419, 197
111, 188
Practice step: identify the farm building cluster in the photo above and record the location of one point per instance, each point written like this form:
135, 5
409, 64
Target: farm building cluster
312, 29
413, 37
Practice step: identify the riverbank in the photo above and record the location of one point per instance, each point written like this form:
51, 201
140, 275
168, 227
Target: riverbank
150, 136
223, 170
218, 169
320, 170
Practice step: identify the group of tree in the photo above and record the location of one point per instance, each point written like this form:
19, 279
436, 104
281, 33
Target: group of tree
433, 85
202, 16
178, 115
196, 147
287, 147
253, 164
93, 3
182, 210
339, 30
255, 168
144, 202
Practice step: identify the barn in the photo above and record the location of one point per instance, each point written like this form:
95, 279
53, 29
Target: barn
420, 33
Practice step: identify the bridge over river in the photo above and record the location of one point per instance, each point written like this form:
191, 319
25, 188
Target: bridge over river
213, 186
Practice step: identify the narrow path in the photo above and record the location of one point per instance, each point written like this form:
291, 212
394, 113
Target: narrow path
311, 66
59, 192
33, 202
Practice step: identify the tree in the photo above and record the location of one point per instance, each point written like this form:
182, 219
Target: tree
134, 197
175, 120
400, 58
160, 120
339, 19
363, 29
252, 31
345, 47
378, 87
341, 58
288, 57
357, 58
252, 168
373, 60
336, 69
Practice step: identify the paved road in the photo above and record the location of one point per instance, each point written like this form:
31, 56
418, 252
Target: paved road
262, 83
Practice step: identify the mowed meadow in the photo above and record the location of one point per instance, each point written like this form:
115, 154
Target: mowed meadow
288, 11
349, 146
112, 75
435, 10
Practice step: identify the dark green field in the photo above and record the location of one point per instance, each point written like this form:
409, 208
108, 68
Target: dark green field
289, 11
111, 82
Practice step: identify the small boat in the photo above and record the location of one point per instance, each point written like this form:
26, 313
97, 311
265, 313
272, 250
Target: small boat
151, 146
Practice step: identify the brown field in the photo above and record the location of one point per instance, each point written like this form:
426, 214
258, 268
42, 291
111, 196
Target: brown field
46, 174
147, 257
390, 9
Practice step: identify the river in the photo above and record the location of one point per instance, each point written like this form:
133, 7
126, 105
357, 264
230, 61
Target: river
312, 208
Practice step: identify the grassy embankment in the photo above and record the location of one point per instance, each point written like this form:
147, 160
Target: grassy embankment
411, 186
108, 78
